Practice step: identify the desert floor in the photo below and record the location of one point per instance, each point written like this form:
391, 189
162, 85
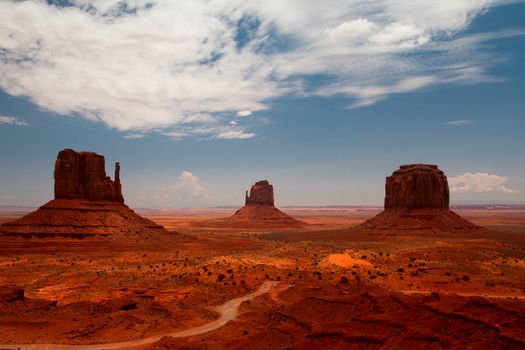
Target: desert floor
332, 286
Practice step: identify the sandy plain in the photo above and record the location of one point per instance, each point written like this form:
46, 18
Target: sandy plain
339, 287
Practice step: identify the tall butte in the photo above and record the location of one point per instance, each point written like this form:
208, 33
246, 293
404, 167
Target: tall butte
417, 198
259, 208
87, 204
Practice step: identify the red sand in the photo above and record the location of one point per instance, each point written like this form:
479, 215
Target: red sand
349, 288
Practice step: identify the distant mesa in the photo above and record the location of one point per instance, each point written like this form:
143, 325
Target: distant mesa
417, 198
87, 204
259, 208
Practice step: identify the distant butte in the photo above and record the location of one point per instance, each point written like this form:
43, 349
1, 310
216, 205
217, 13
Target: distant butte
259, 208
87, 204
417, 198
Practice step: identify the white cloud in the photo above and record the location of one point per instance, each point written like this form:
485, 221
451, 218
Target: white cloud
187, 187
134, 136
212, 131
235, 134
479, 182
458, 122
160, 64
244, 113
12, 121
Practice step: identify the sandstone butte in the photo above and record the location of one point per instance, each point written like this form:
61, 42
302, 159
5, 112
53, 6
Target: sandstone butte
417, 198
87, 204
259, 208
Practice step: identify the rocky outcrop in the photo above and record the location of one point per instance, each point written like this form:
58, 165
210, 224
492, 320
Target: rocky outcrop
259, 210
83, 175
260, 194
417, 198
87, 204
417, 186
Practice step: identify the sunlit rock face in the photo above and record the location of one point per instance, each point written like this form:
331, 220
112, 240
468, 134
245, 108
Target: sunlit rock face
417, 186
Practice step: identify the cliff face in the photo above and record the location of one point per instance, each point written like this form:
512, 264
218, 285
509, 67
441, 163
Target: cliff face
87, 204
417, 186
417, 199
82, 175
260, 194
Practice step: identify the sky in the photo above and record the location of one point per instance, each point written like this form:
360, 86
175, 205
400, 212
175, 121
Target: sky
199, 99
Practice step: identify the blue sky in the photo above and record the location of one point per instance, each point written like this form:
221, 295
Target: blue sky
198, 101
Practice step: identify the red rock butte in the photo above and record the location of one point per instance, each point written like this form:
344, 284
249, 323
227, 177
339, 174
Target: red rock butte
259, 208
87, 204
260, 194
417, 198
83, 175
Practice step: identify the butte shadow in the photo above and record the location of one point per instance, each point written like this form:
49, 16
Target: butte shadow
259, 212
87, 204
417, 200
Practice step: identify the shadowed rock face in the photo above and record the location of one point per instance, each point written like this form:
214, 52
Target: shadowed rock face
417, 198
417, 186
87, 204
82, 175
259, 209
260, 194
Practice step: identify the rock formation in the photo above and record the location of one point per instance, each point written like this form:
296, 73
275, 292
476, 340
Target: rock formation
417, 186
259, 209
87, 204
260, 194
83, 175
417, 198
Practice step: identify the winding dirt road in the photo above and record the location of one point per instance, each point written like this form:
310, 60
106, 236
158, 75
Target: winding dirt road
228, 311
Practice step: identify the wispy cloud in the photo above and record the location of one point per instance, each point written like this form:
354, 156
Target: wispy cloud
244, 113
480, 182
134, 136
12, 121
458, 122
170, 63
229, 132
235, 134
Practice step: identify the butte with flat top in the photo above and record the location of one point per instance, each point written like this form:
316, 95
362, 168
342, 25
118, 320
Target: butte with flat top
417, 198
87, 204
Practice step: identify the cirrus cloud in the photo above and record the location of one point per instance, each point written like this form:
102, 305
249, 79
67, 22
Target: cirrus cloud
12, 121
159, 64
235, 134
